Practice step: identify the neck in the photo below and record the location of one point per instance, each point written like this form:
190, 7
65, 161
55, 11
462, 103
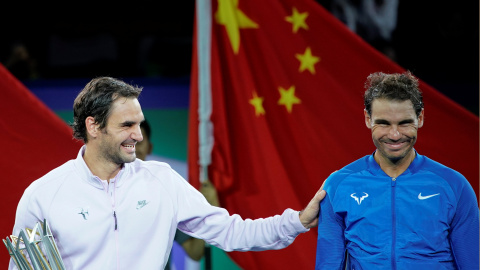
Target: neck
394, 169
100, 167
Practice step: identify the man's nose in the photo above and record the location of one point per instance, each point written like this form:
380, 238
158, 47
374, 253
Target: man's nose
137, 134
394, 133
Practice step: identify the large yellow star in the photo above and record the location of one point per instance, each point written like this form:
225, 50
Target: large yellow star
297, 20
257, 103
233, 19
288, 98
307, 61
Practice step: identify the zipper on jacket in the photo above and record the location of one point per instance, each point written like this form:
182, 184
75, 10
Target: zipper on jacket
115, 217
111, 194
394, 225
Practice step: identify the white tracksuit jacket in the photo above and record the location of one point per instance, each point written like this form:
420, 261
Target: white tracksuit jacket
130, 222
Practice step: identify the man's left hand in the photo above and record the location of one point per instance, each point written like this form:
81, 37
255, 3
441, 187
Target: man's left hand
309, 215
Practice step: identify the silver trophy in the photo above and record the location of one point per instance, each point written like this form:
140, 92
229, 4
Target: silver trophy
35, 249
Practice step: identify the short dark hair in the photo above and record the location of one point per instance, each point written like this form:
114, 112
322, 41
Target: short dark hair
96, 100
396, 86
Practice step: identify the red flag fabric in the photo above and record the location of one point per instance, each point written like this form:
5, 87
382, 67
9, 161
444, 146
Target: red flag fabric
35, 140
286, 81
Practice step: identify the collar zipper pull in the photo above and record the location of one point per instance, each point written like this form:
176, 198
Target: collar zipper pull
394, 180
115, 217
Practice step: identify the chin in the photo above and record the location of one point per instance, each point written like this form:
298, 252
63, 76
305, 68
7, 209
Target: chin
396, 157
129, 158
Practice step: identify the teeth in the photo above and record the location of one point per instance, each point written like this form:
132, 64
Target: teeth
128, 146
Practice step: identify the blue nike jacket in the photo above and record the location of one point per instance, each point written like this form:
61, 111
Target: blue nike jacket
427, 218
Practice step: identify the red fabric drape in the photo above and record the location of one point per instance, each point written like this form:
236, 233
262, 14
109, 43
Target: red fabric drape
35, 140
309, 84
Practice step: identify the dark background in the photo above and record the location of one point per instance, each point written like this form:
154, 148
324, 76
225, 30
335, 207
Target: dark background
438, 41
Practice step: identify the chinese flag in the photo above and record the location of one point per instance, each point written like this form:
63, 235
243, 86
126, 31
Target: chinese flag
35, 141
277, 105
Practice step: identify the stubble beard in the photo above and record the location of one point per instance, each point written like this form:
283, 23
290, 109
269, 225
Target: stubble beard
113, 153
395, 159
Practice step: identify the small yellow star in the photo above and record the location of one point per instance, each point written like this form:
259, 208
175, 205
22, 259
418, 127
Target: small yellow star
257, 102
297, 20
307, 61
288, 98
233, 18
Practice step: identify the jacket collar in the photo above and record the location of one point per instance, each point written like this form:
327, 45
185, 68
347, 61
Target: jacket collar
375, 169
86, 175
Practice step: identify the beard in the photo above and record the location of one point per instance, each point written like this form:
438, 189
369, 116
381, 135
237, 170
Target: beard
116, 156
110, 151
395, 160
399, 155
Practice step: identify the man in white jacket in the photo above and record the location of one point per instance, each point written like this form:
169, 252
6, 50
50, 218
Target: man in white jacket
109, 210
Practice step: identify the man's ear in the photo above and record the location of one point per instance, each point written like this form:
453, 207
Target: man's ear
92, 127
368, 121
421, 118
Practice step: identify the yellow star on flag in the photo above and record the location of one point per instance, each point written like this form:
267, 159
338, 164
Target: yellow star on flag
257, 103
233, 19
307, 61
297, 20
288, 98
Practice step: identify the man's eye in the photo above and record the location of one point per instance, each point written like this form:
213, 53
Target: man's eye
406, 124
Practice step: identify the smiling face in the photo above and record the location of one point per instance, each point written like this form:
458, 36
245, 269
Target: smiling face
116, 142
394, 127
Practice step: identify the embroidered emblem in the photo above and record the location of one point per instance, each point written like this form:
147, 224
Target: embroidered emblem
84, 212
359, 201
426, 197
141, 204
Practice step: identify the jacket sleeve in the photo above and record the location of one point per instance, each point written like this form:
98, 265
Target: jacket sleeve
230, 232
27, 216
464, 229
331, 240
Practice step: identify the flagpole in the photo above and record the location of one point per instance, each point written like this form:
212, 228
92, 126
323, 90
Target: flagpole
205, 128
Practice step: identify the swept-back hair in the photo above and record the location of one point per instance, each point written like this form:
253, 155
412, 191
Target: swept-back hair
96, 100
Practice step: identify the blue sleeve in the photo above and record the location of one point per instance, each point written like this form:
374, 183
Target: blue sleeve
331, 240
464, 229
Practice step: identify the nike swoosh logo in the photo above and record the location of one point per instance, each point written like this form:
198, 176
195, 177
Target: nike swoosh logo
426, 197
141, 204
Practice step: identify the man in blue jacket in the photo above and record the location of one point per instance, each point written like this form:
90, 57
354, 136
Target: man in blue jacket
397, 209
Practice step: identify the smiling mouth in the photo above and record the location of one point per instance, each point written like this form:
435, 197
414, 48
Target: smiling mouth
129, 147
395, 145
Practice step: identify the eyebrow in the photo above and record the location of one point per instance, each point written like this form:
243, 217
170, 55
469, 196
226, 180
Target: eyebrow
381, 122
127, 123
385, 122
406, 121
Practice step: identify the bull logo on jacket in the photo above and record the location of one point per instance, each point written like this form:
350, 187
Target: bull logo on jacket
359, 200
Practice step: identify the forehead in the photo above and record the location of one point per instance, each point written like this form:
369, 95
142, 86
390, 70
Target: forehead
392, 109
126, 109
